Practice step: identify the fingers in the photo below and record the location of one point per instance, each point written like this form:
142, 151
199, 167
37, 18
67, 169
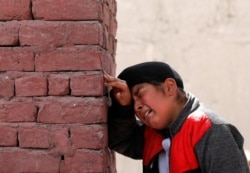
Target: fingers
122, 96
114, 82
120, 89
107, 77
120, 85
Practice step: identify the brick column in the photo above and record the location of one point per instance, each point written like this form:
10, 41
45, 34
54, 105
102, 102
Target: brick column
53, 108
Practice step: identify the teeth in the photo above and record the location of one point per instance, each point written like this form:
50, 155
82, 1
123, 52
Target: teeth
146, 114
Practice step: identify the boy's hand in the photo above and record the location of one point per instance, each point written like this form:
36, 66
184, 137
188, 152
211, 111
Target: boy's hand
120, 89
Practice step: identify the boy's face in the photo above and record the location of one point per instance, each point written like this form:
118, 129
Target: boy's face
155, 105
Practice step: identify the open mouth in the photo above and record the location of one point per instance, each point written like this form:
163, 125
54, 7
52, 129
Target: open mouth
146, 115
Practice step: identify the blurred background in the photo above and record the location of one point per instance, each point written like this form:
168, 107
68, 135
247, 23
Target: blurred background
207, 42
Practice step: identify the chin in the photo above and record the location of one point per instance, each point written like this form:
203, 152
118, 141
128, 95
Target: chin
156, 127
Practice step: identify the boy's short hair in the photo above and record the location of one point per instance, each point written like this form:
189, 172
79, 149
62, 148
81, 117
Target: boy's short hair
148, 72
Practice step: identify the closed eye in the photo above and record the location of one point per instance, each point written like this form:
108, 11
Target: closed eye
136, 92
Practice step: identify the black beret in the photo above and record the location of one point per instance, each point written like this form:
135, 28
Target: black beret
148, 72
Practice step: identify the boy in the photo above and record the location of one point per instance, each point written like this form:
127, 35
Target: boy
175, 132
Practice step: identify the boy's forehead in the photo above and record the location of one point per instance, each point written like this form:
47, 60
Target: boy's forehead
138, 87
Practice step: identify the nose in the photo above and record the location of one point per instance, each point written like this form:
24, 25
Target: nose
138, 105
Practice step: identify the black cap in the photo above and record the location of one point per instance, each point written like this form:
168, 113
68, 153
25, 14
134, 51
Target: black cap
148, 72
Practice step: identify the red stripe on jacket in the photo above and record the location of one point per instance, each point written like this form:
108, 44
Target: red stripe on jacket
182, 153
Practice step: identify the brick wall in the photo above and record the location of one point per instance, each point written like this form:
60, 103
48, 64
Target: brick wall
52, 99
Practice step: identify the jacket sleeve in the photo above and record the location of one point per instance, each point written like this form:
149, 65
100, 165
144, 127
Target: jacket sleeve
125, 132
221, 150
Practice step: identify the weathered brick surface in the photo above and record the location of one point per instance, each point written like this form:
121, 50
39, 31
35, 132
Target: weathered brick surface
33, 85
60, 142
106, 15
112, 5
73, 59
85, 161
15, 10
16, 160
31, 136
9, 33
111, 161
58, 34
72, 110
6, 86
8, 136
17, 111
67, 10
17, 59
92, 137
58, 85
113, 26
53, 104
60, 139
87, 85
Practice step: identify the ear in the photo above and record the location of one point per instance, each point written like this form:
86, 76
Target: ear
170, 86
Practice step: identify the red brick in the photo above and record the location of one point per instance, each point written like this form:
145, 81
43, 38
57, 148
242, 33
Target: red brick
114, 8
86, 85
6, 86
52, 137
85, 161
110, 46
112, 5
8, 33
15, 10
8, 136
91, 136
106, 15
67, 10
14, 74
15, 160
32, 136
106, 38
17, 112
16, 59
111, 161
56, 34
61, 142
73, 59
108, 64
72, 110
58, 85
113, 26
114, 46
31, 86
